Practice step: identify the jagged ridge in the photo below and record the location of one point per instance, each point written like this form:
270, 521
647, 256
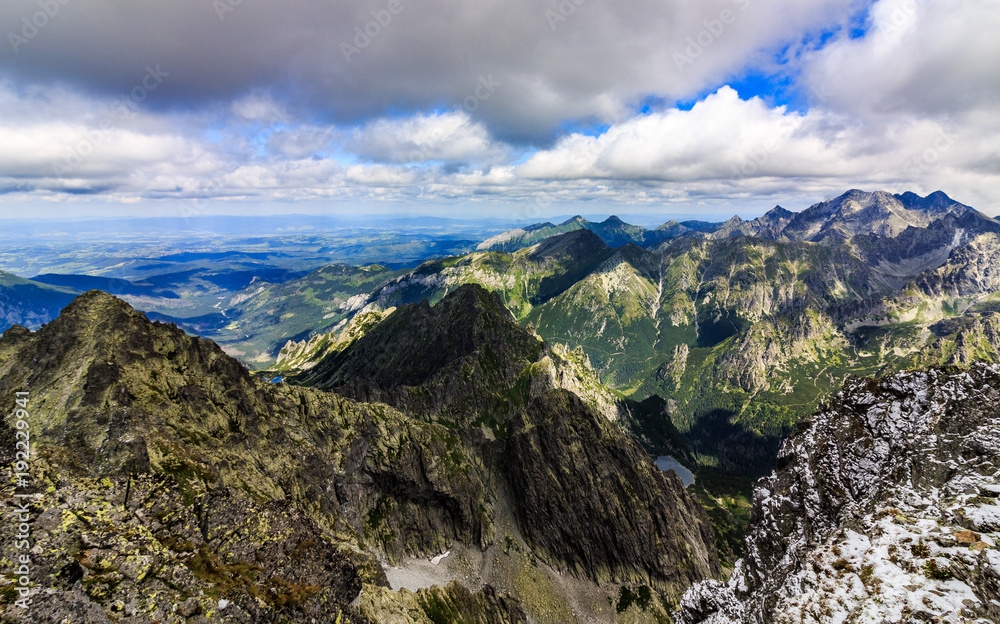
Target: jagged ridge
883, 508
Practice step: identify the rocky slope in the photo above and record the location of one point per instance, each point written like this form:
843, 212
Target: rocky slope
605, 479
421, 359
882, 509
519, 238
296, 357
117, 401
171, 484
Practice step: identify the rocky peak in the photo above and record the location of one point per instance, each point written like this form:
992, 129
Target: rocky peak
937, 201
571, 246
882, 507
489, 372
778, 213
418, 341
859, 212
575, 219
97, 310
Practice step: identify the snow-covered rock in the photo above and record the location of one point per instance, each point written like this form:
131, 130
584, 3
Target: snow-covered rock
882, 509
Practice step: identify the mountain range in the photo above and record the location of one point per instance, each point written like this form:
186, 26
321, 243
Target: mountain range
168, 478
472, 440
741, 327
854, 213
741, 335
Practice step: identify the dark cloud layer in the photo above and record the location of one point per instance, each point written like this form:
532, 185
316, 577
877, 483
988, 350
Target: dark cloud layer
349, 61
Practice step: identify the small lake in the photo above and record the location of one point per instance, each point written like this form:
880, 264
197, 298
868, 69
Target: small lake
667, 462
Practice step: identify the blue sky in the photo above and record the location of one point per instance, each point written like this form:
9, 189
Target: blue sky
493, 108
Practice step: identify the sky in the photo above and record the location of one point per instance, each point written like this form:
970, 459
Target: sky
492, 108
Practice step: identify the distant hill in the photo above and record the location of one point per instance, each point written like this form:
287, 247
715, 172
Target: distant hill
613, 231
29, 303
114, 286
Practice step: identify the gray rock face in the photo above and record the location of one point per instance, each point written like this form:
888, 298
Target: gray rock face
879, 215
970, 270
454, 361
882, 508
858, 212
648, 529
586, 496
768, 227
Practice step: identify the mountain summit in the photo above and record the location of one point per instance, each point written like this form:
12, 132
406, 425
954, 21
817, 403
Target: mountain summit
168, 479
859, 212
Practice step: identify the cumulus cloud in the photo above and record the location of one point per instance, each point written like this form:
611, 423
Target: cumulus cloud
727, 138
919, 57
437, 102
725, 145
451, 137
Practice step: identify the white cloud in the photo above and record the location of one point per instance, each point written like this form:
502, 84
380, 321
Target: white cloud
724, 149
451, 137
379, 176
725, 146
922, 57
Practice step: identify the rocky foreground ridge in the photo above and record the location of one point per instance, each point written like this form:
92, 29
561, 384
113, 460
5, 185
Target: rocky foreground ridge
170, 485
883, 508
